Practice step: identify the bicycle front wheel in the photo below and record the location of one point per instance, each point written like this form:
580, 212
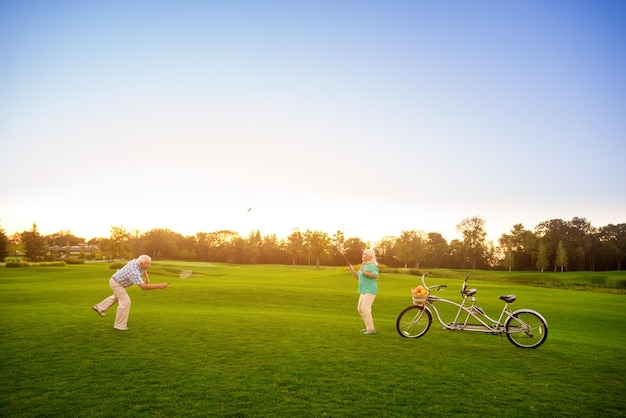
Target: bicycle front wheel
414, 321
526, 329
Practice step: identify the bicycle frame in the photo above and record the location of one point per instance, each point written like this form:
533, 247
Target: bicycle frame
461, 322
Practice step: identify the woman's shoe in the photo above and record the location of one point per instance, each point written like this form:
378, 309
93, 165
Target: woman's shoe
370, 332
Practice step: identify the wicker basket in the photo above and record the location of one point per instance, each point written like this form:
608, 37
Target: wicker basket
419, 300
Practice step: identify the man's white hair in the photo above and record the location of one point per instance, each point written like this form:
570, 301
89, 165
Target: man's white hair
143, 258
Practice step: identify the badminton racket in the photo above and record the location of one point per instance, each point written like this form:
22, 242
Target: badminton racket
339, 248
182, 275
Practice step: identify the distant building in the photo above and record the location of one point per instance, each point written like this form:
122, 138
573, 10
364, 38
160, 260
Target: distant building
71, 250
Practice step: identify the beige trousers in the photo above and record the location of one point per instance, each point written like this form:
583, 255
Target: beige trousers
123, 304
365, 310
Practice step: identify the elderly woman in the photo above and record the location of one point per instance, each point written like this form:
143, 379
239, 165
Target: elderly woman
368, 288
125, 277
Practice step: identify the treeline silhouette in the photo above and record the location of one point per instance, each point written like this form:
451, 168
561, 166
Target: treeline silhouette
555, 245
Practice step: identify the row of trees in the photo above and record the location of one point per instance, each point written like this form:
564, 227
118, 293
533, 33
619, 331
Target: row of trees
556, 245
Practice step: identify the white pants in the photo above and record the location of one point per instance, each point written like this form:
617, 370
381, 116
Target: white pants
123, 304
365, 310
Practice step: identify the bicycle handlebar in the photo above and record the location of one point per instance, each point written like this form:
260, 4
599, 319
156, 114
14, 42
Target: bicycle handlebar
437, 286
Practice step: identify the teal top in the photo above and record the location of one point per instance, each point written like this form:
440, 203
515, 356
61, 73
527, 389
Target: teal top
367, 285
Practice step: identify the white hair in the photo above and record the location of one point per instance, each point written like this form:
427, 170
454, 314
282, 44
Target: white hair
143, 258
371, 253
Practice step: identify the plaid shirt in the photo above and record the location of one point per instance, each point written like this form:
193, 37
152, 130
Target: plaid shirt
129, 275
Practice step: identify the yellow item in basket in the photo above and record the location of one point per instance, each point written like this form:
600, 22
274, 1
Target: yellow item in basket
419, 291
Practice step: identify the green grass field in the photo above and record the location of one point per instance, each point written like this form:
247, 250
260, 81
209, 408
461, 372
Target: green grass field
265, 341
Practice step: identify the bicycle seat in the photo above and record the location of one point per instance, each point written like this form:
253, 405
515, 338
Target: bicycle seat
469, 292
508, 298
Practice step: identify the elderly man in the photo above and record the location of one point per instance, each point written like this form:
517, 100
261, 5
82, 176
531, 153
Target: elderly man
127, 276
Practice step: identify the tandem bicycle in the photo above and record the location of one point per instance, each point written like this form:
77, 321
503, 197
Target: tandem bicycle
524, 328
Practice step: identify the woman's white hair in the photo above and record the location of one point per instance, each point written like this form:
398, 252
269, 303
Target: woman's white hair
371, 253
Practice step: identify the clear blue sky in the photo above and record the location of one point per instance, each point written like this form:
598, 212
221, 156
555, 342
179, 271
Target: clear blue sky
371, 117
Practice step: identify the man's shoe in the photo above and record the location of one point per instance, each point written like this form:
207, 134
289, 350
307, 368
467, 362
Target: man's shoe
95, 308
121, 329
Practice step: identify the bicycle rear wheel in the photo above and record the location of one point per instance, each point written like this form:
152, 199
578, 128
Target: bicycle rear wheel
414, 321
526, 329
